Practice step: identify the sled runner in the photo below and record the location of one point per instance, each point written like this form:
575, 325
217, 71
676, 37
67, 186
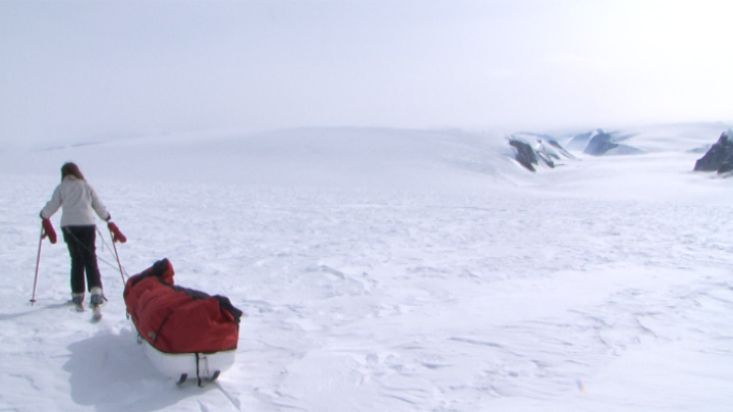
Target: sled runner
201, 367
185, 333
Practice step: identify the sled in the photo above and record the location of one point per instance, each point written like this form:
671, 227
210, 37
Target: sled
186, 334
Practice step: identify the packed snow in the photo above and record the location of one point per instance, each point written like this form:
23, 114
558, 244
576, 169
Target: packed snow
386, 270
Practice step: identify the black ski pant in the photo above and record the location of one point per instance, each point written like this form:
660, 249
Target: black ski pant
80, 240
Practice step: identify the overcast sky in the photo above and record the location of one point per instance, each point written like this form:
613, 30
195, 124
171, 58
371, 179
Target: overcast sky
89, 70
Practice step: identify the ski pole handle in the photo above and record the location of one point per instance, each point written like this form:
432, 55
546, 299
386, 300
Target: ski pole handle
47, 230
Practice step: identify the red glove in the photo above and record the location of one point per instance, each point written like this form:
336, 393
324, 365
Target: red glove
48, 230
117, 236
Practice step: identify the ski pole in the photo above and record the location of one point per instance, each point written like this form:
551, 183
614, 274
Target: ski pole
117, 256
38, 262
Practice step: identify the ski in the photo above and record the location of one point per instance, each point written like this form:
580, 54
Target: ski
200, 381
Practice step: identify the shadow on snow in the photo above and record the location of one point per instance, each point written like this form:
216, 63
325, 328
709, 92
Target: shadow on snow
111, 373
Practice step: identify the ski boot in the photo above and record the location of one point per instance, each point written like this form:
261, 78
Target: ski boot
78, 300
96, 302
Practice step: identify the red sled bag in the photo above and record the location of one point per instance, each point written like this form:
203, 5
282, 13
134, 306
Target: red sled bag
176, 320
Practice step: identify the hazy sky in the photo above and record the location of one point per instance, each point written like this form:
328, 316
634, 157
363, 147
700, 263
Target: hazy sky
87, 70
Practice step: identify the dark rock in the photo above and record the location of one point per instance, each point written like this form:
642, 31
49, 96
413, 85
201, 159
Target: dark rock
600, 143
525, 155
720, 156
546, 157
560, 149
544, 151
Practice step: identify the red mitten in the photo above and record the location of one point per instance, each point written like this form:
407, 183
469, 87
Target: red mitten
48, 230
117, 236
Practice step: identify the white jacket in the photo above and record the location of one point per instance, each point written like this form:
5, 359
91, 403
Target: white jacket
78, 200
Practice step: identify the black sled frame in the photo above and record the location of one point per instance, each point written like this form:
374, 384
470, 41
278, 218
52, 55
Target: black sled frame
201, 377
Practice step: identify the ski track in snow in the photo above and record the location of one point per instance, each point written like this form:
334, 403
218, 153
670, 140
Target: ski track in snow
376, 301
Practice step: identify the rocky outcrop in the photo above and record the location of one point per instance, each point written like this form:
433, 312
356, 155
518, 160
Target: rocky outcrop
524, 154
579, 141
544, 151
600, 142
719, 158
556, 146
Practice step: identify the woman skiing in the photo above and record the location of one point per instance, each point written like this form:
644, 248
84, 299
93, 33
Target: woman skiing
78, 201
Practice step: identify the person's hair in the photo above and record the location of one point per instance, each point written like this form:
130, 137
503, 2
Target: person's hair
71, 169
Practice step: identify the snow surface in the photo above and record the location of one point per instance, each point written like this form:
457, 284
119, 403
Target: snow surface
387, 270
